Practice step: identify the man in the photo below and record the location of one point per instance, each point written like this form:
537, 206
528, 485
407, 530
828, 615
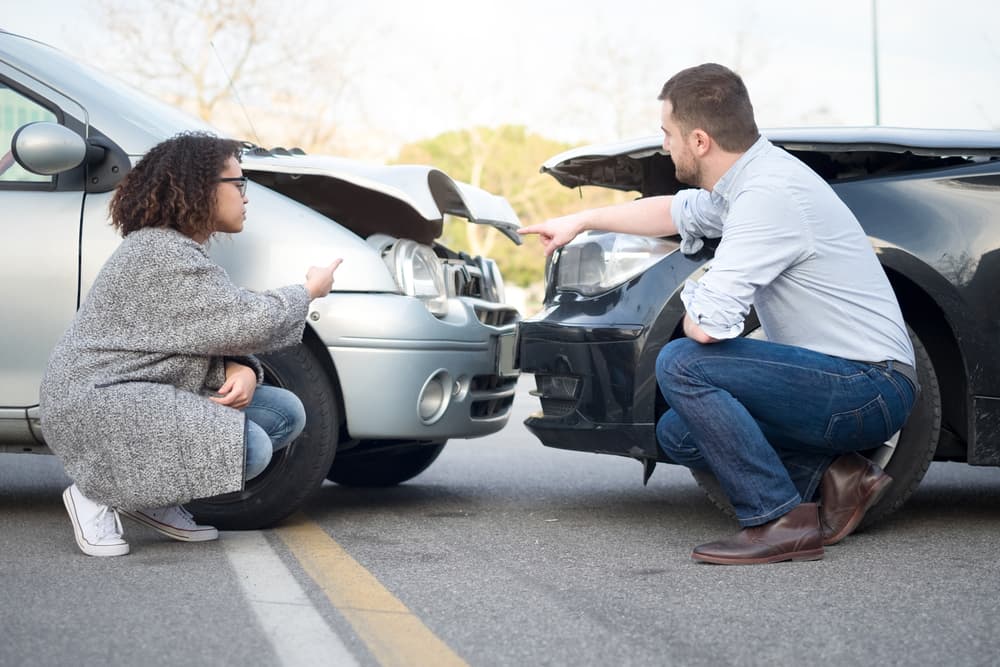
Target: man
779, 421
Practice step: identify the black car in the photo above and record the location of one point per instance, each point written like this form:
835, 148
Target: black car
929, 200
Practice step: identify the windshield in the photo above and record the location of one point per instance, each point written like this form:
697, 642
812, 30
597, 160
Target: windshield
133, 119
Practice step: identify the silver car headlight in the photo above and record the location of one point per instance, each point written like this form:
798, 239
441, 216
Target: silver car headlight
596, 262
418, 273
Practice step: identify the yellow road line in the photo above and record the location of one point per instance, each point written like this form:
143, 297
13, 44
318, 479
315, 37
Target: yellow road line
394, 635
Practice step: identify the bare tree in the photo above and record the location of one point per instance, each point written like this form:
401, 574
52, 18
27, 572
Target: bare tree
248, 66
619, 69
741, 53
614, 87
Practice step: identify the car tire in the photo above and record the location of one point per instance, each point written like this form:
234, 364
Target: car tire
378, 463
296, 470
905, 458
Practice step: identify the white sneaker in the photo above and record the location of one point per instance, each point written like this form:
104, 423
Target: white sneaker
175, 522
97, 528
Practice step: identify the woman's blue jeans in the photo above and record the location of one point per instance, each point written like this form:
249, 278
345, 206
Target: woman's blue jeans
275, 417
768, 419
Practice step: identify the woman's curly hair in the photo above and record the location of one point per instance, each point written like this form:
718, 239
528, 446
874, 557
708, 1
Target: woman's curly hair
174, 185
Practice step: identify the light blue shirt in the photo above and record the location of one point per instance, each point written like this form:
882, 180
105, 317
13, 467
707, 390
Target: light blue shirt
793, 250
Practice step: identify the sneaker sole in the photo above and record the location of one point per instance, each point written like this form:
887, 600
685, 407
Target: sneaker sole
98, 550
179, 534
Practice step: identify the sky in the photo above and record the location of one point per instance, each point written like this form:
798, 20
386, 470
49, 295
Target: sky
589, 71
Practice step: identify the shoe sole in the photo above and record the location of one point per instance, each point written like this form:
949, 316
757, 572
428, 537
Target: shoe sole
98, 550
808, 554
178, 534
876, 495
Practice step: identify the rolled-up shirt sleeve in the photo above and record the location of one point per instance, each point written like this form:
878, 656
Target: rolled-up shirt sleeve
718, 315
697, 215
761, 241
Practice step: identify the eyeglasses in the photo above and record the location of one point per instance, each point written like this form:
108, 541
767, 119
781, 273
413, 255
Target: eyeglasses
239, 181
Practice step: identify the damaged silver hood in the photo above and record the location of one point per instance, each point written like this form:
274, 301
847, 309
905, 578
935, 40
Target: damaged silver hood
406, 201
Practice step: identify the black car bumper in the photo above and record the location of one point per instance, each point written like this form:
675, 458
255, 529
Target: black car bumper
585, 381
593, 360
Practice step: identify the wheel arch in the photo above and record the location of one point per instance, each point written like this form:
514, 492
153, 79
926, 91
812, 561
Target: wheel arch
312, 340
931, 325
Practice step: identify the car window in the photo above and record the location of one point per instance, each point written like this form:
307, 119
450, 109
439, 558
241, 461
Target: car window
16, 110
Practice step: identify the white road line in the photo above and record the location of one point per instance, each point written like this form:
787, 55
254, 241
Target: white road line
293, 626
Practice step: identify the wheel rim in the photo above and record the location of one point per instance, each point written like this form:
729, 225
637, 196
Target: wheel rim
274, 468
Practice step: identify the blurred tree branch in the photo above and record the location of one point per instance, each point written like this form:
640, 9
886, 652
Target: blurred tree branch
293, 68
617, 79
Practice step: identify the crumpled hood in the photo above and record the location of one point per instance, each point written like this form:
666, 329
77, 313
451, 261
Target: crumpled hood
406, 201
632, 164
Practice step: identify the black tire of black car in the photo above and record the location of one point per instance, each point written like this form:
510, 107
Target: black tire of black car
296, 470
913, 453
373, 466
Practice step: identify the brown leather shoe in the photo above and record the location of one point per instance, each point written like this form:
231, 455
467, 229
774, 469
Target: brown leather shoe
850, 486
794, 536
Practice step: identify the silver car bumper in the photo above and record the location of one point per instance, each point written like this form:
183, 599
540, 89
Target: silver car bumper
410, 375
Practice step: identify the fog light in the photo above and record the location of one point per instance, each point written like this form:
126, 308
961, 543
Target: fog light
557, 386
434, 397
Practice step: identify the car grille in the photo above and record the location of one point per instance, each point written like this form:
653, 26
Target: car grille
554, 407
557, 394
492, 395
497, 317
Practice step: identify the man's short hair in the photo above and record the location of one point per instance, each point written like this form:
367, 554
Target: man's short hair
713, 98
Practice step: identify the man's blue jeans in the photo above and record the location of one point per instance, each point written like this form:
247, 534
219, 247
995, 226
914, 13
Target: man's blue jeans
768, 419
275, 417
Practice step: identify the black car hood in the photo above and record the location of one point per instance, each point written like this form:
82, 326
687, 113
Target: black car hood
626, 165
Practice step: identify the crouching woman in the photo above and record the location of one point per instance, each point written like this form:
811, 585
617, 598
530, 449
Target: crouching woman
152, 398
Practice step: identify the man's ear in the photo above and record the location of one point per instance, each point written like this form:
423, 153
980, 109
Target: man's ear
700, 141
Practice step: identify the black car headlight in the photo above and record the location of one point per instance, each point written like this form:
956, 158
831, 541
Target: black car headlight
596, 262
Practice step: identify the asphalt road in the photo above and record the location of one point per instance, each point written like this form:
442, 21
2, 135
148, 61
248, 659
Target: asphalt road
503, 553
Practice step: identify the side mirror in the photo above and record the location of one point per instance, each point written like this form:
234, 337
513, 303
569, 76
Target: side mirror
49, 148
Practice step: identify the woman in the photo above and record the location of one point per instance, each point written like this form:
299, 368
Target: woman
151, 398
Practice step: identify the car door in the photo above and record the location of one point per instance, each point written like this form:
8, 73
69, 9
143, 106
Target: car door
39, 248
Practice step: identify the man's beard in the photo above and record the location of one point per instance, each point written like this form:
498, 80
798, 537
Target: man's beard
689, 174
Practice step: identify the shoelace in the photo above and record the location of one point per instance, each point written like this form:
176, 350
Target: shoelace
108, 523
186, 519
175, 516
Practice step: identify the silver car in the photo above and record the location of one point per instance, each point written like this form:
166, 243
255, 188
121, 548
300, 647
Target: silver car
414, 346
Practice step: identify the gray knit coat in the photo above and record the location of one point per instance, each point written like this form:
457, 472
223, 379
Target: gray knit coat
124, 397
